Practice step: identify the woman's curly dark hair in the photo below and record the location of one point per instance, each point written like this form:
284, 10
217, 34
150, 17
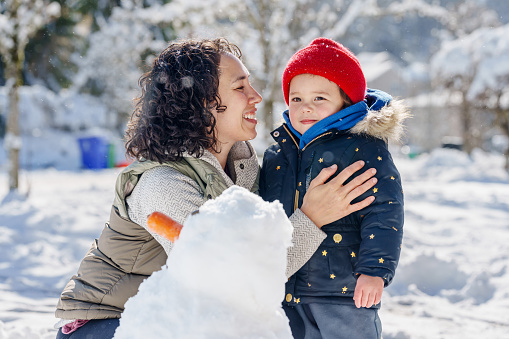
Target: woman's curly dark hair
173, 114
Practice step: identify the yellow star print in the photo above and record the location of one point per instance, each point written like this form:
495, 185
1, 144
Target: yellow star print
279, 150
381, 260
320, 160
344, 289
375, 190
297, 300
284, 140
324, 253
353, 254
277, 168
300, 183
379, 158
392, 178
371, 236
332, 276
356, 150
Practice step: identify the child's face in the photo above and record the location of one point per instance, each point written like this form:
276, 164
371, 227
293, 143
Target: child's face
312, 98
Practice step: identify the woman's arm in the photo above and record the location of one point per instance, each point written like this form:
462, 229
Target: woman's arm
166, 190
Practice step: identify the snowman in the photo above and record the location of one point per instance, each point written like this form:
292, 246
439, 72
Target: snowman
224, 277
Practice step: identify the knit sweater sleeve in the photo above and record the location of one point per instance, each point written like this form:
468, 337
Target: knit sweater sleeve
306, 239
164, 189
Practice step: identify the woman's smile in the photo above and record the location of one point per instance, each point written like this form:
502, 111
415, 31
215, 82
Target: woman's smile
251, 116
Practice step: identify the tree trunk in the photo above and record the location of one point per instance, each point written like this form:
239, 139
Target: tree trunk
14, 72
13, 139
506, 153
502, 122
466, 119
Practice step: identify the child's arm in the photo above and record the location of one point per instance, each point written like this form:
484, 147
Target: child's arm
381, 223
368, 291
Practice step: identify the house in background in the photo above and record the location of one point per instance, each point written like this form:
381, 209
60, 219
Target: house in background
435, 115
382, 72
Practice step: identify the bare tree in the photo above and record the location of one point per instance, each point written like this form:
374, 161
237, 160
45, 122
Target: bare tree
461, 82
19, 21
281, 27
464, 18
475, 66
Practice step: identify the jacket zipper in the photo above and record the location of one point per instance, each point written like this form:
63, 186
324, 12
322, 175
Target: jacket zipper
318, 137
299, 153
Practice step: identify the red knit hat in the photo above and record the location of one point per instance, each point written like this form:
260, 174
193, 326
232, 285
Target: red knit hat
331, 60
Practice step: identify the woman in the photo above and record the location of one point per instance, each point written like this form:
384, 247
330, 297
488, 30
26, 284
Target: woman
189, 133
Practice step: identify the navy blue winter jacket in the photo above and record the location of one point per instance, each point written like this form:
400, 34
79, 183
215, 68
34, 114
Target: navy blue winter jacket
365, 242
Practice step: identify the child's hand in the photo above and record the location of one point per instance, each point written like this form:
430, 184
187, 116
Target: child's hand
368, 291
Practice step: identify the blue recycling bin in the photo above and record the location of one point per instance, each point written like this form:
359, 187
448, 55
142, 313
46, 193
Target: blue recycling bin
94, 152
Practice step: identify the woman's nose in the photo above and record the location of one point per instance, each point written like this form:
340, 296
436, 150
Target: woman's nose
255, 97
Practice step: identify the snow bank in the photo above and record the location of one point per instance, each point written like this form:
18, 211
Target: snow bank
224, 278
449, 165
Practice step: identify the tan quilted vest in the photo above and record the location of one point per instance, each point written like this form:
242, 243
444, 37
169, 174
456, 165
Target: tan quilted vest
125, 253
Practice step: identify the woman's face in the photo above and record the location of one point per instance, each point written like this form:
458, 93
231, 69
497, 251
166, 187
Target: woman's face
238, 121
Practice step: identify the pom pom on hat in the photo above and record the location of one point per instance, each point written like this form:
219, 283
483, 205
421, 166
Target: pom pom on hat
331, 60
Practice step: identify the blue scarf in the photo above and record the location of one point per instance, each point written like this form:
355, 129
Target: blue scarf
344, 119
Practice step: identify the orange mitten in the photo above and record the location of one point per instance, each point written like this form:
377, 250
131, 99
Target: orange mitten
163, 225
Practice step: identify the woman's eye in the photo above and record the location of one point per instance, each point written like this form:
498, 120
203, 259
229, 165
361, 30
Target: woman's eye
240, 88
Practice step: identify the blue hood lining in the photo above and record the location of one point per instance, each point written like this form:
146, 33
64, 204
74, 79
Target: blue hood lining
344, 119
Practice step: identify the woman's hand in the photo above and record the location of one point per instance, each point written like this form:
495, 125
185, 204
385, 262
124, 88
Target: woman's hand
325, 203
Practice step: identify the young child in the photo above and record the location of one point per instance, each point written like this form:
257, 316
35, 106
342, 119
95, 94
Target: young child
333, 119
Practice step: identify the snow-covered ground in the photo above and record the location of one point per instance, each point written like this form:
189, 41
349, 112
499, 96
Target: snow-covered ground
453, 279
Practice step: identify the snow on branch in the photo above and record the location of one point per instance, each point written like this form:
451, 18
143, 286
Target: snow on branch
20, 20
480, 56
356, 9
421, 7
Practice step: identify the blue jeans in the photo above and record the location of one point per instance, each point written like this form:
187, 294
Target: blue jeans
333, 321
94, 329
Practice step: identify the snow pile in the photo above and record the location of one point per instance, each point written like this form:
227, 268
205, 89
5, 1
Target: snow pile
224, 278
449, 165
453, 277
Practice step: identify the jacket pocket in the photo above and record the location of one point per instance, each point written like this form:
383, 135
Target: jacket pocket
342, 262
330, 271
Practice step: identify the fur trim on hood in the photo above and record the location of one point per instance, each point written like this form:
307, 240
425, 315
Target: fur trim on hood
386, 123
